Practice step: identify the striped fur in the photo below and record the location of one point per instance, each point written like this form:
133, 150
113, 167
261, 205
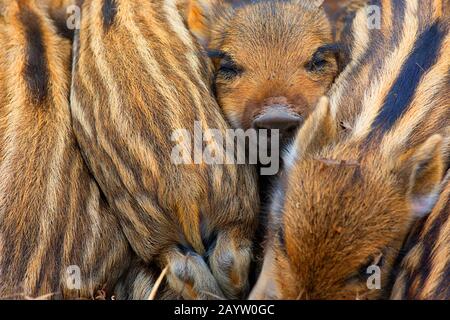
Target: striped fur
52, 213
139, 75
425, 270
340, 12
368, 161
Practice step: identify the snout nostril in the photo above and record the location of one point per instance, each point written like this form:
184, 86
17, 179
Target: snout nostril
292, 126
283, 121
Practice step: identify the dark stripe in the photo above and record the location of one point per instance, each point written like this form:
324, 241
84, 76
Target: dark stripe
55, 260
347, 40
444, 286
398, 267
378, 44
59, 19
421, 59
425, 265
411, 242
369, 58
36, 69
109, 12
398, 17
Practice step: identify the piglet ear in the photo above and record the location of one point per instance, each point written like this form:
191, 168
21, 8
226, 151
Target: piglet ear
422, 171
266, 288
319, 130
312, 4
199, 14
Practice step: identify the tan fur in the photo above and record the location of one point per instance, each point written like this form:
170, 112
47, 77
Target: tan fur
350, 202
52, 213
138, 76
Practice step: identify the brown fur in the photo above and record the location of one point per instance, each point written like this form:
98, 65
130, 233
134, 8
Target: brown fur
138, 76
354, 187
52, 213
271, 44
424, 271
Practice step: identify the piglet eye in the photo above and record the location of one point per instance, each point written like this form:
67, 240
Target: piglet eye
316, 64
322, 57
228, 69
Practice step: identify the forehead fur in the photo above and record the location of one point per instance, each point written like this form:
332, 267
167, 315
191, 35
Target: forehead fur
332, 208
278, 23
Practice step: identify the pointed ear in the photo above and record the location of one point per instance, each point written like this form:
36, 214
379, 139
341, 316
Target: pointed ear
265, 288
198, 17
319, 129
422, 170
313, 4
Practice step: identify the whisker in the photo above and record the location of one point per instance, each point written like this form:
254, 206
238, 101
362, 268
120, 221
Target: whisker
157, 284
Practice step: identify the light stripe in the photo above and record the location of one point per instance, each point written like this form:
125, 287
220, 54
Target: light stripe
79, 115
440, 253
139, 227
439, 259
380, 86
47, 230
174, 19
438, 9
92, 208
149, 206
359, 47
17, 101
73, 213
138, 146
87, 84
166, 89
162, 85
387, 18
398, 291
83, 77
140, 43
423, 102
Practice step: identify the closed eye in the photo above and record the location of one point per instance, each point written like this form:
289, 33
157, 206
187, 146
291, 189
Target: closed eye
322, 57
228, 69
317, 64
